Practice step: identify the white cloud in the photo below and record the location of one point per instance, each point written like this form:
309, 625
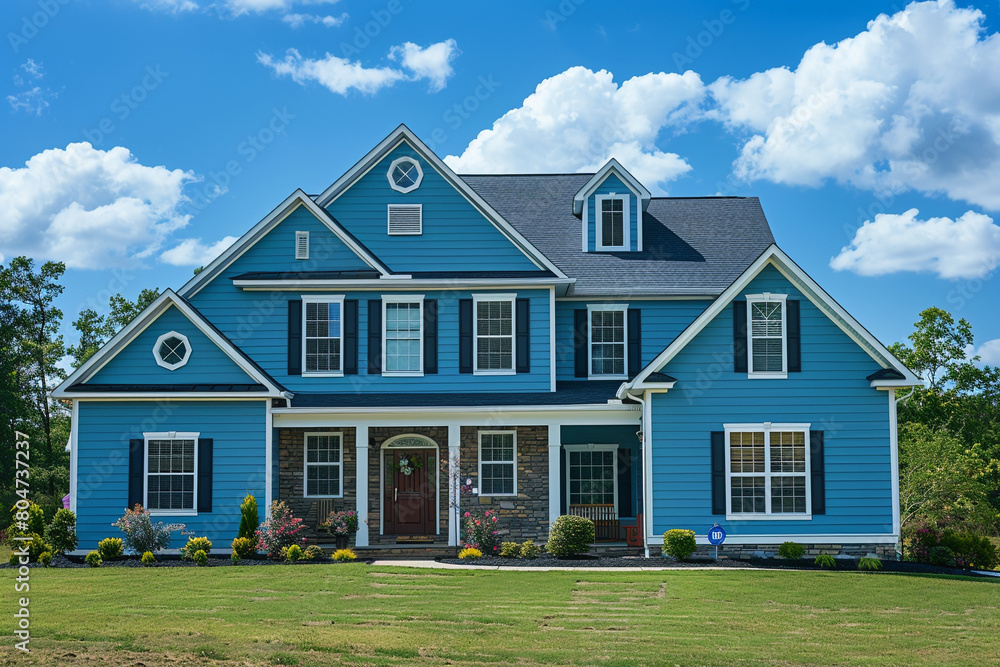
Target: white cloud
32, 101
967, 247
578, 119
433, 62
340, 75
989, 352
32, 69
192, 252
89, 208
171, 6
911, 103
299, 20
238, 7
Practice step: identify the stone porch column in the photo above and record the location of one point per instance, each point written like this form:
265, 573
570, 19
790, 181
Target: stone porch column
555, 473
361, 485
454, 483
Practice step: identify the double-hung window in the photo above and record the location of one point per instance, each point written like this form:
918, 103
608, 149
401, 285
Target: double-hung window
324, 476
607, 346
403, 335
613, 222
322, 349
171, 472
592, 472
767, 347
767, 471
494, 333
497, 463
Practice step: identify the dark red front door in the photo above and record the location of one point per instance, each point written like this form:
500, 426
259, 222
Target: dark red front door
410, 499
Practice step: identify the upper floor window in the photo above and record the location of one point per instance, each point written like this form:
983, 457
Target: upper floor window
172, 350
494, 333
403, 335
405, 174
170, 472
767, 349
766, 469
497, 463
323, 465
323, 339
607, 341
612, 222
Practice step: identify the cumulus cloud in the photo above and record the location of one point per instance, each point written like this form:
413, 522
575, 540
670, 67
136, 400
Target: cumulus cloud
299, 20
989, 352
89, 208
967, 247
341, 76
192, 252
578, 119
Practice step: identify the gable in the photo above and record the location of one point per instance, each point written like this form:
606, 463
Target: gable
612, 184
455, 235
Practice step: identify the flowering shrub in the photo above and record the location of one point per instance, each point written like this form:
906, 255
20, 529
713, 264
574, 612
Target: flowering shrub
244, 547
110, 547
194, 545
481, 532
279, 531
470, 553
148, 558
93, 559
293, 553
344, 555
201, 558
342, 524
141, 534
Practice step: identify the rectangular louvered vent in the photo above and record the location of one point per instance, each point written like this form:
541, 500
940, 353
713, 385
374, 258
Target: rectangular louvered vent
405, 219
301, 245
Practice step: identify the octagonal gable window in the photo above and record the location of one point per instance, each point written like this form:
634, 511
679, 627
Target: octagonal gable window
405, 174
172, 350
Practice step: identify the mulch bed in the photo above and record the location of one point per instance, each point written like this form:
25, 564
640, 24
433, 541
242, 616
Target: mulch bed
172, 560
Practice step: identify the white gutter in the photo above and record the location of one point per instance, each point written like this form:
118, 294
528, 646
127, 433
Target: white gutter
645, 481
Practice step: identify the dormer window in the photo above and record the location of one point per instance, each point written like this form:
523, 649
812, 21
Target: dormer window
405, 175
612, 222
767, 346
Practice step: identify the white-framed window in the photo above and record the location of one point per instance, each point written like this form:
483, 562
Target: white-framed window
607, 349
592, 475
322, 335
405, 174
613, 222
403, 335
767, 471
171, 484
172, 350
323, 476
498, 463
405, 219
301, 245
493, 330
767, 346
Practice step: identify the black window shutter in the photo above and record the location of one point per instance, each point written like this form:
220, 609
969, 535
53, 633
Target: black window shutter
523, 364
793, 337
465, 335
580, 339
817, 472
740, 336
351, 337
136, 471
375, 337
624, 482
718, 472
430, 336
295, 337
634, 341
204, 474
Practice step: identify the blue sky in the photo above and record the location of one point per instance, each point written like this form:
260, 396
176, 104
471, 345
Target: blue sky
202, 116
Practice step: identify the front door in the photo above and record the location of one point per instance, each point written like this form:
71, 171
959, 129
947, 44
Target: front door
410, 494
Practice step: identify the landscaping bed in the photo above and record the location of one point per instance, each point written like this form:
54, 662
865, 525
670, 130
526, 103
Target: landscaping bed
173, 560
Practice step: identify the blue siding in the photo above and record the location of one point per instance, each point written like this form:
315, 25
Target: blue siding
662, 321
830, 393
456, 237
104, 431
612, 184
136, 364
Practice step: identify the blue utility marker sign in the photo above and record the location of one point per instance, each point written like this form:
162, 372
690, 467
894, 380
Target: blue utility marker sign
716, 535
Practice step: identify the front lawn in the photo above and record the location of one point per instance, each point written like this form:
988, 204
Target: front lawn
355, 614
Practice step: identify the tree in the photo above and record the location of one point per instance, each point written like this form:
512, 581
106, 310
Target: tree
939, 347
96, 330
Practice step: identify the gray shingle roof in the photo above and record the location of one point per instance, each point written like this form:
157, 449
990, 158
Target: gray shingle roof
691, 246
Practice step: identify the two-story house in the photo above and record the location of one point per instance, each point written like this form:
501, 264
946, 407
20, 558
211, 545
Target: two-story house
557, 340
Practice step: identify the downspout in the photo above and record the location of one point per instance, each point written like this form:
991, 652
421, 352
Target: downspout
645, 431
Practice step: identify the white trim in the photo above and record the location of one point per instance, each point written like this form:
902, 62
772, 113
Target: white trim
328, 299
401, 282
166, 364
306, 463
74, 456
630, 181
300, 251
173, 396
774, 256
404, 134
553, 352
626, 223
555, 478
454, 484
397, 299
515, 415
169, 435
510, 298
766, 428
802, 538
591, 307
767, 297
648, 519
268, 453
388, 219
387, 444
894, 462
361, 484
591, 447
479, 458
585, 219
417, 181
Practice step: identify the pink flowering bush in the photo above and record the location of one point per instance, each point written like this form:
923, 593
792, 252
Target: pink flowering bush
342, 524
280, 531
141, 534
482, 532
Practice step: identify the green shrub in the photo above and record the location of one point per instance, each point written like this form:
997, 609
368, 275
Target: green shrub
201, 558
249, 519
313, 552
530, 550
61, 532
110, 547
194, 545
971, 550
36, 546
344, 555
791, 551
244, 547
45, 558
679, 543
30, 515
470, 553
942, 556
148, 558
825, 561
93, 559
141, 534
570, 535
293, 553
869, 564
510, 550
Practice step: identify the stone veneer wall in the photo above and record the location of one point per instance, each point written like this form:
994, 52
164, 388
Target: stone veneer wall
291, 475
525, 516
746, 551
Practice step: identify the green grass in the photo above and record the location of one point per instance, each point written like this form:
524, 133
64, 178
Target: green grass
358, 615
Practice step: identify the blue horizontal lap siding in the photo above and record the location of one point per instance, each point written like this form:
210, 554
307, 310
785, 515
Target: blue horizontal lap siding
612, 184
104, 430
830, 393
136, 365
456, 236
